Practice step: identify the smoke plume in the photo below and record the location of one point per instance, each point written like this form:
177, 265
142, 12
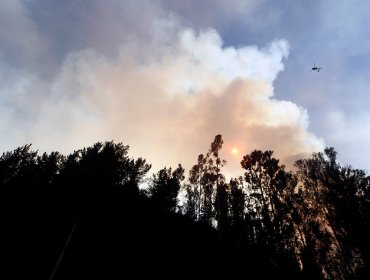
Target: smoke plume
166, 97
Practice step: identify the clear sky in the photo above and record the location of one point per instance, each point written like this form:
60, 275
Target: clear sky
166, 76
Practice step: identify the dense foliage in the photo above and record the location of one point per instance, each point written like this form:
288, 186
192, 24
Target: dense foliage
97, 213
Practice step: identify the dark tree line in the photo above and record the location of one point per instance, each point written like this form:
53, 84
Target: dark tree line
97, 213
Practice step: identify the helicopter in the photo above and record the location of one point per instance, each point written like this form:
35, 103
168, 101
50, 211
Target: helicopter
315, 68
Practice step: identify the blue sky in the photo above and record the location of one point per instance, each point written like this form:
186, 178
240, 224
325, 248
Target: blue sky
166, 76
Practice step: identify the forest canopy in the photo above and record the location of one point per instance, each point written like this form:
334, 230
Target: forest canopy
86, 214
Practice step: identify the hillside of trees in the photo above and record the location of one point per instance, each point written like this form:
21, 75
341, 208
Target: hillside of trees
87, 216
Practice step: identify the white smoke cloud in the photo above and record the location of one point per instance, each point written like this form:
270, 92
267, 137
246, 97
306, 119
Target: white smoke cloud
166, 96
168, 108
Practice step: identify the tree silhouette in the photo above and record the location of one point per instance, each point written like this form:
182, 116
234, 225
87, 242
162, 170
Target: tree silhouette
237, 211
195, 188
26, 204
269, 189
332, 196
260, 171
191, 207
207, 186
213, 171
18, 168
86, 215
165, 188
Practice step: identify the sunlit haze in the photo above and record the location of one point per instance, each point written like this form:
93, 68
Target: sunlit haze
165, 77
